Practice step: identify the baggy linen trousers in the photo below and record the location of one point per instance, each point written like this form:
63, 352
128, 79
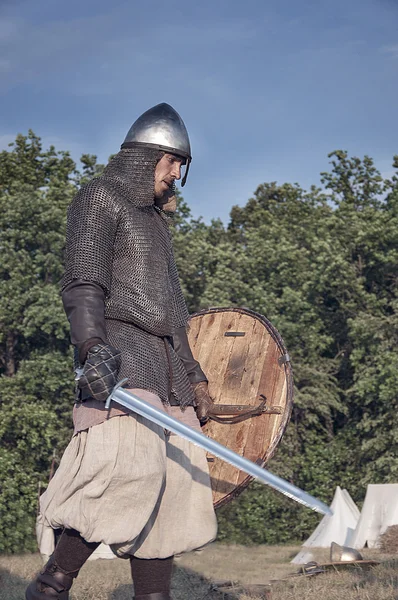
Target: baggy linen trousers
129, 484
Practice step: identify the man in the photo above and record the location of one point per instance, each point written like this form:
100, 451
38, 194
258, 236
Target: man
123, 480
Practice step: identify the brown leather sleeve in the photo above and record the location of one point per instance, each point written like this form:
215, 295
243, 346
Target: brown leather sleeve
182, 348
84, 306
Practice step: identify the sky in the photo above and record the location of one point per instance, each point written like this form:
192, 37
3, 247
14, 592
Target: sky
266, 88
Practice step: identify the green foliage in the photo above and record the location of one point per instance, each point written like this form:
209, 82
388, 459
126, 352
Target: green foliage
18, 500
260, 516
322, 265
36, 387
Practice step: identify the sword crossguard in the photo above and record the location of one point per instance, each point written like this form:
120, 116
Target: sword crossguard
117, 386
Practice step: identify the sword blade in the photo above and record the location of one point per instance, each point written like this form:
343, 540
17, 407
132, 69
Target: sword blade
136, 404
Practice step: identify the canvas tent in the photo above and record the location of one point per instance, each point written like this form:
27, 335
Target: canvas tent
338, 527
380, 510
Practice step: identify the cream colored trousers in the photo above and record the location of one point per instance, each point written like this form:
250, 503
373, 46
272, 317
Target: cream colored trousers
127, 484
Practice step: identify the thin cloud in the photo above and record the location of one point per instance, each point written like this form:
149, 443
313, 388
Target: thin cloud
36, 53
6, 140
5, 65
391, 50
8, 30
87, 55
76, 149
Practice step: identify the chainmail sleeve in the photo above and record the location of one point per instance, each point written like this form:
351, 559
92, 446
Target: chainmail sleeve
91, 230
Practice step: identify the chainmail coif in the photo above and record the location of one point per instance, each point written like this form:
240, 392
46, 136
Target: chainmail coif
117, 239
132, 171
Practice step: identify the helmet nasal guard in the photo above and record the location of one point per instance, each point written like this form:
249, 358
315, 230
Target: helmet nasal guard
161, 127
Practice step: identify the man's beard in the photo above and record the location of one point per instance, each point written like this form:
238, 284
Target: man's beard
169, 206
167, 201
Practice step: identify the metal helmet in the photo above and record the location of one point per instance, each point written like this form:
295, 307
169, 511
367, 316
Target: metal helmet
343, 553
161, 127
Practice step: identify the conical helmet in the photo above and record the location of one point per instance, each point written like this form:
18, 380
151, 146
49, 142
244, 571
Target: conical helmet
161, 127
343, 553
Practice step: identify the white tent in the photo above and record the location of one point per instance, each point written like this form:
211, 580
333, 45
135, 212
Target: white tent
380, 510
338, 527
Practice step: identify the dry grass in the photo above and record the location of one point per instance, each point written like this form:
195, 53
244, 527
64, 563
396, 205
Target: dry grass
196, 573
389, 540
378, 583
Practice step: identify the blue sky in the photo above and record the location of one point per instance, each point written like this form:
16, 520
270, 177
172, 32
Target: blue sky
266, 88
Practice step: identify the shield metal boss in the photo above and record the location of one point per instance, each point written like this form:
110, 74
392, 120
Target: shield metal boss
246, 363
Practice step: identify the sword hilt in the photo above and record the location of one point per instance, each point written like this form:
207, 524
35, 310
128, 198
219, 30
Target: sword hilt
117, 386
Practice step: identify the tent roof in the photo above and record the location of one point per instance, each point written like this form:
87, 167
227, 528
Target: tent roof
338, 527
380, 510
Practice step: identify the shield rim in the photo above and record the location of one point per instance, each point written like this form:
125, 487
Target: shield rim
270, 451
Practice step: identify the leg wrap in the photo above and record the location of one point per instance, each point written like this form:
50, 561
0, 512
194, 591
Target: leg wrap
72, 550
56, 579
52, 582
151, 578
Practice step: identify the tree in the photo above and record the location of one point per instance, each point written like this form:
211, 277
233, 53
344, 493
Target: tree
326, 268
366, 225
322, 265
36, 383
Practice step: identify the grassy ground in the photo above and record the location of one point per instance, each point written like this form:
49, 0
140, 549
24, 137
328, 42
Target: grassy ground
198, 576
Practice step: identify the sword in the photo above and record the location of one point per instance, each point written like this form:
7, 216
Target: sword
139, 406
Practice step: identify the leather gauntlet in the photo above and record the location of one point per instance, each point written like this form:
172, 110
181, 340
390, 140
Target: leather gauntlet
100, 371
183, 350
204, 401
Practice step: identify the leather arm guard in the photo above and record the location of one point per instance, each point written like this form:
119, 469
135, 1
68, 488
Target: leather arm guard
197, 378
183, 350
84, 307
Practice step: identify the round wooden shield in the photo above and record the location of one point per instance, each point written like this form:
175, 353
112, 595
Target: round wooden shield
245, 360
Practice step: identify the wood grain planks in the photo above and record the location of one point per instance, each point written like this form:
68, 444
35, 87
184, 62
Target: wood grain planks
239, 369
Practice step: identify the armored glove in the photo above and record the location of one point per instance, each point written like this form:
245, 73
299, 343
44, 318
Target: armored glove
204, 401
99, 375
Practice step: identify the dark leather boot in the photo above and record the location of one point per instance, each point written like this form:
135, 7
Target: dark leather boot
154, 596
52, 582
